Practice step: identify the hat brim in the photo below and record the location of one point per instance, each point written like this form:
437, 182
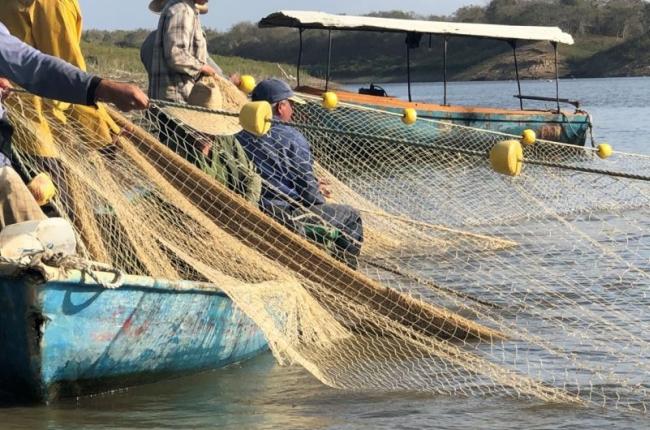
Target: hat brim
205, 122
156, 6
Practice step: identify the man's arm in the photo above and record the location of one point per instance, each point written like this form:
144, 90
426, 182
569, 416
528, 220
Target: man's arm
53, 78
43, 74
303, 171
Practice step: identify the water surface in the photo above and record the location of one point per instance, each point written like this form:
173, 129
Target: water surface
261, 394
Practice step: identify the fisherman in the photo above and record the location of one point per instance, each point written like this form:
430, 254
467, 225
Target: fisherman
53, 78
54, 28
208, 141
290, 191
179, 56
180, 70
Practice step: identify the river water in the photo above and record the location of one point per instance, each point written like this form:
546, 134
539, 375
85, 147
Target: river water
261, 394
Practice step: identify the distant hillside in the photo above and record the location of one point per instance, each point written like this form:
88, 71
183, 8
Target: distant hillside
536, 61
630, 58
611, 39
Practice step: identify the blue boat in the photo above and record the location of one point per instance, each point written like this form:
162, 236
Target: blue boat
562, 126
556, 124
75, 337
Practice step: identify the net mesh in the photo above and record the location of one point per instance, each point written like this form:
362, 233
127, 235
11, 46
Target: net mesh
467, 282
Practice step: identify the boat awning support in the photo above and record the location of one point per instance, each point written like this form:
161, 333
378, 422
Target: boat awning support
557, 78
408, 69
412, 41
299, 57
329, 59
513, 44
444, 70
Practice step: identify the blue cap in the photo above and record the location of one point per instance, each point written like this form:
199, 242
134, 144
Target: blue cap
273, 91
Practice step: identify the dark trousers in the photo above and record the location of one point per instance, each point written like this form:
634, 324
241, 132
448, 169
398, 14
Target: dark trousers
347, 245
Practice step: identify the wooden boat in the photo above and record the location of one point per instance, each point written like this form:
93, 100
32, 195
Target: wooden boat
75, 337
555, 124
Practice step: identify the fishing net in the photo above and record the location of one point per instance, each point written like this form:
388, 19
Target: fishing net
468, 282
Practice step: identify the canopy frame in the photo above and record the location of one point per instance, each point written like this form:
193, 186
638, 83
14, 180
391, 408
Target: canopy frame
326, 21
414, 29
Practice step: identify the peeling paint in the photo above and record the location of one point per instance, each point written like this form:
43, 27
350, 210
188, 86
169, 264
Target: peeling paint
96, 340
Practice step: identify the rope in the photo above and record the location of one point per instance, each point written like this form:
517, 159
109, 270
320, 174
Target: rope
589, 170
407, 274
36, 259
404, 219
444, 148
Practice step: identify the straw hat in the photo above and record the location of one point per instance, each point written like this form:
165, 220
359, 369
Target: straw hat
156, 6
206, 93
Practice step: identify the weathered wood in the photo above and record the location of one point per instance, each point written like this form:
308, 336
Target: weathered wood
236, 216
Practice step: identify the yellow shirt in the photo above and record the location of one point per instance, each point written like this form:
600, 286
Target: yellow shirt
54, 27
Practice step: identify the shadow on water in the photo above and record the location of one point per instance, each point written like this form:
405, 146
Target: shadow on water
260, 394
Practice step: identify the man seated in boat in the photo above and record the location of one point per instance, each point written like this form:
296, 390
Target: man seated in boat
49, 77
290, 191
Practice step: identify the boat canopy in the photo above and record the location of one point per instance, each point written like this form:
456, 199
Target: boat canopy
326, 21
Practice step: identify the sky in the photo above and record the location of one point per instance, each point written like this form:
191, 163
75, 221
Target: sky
132, 14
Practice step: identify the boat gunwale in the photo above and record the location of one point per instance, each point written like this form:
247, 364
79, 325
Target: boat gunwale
394, 102
104, 280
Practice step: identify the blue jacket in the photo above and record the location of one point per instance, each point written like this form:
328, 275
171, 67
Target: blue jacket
283, 159
42, 75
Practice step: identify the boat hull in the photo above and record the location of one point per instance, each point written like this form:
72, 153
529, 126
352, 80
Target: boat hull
74, 337
566, 127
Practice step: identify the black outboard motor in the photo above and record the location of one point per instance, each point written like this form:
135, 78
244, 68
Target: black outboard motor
374, 90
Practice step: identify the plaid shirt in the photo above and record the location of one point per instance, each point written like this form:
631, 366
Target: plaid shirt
179, 52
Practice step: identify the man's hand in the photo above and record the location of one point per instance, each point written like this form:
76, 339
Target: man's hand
235, 78
125, 96
204, 144
208, 70
5, 88
323, 186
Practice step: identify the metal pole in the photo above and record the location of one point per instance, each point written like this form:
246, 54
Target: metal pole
299, 56
408, 69
557, 78
329, 59
514, 53
444, 72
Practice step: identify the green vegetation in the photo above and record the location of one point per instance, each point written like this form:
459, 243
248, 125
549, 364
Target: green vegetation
611, 39
123, 63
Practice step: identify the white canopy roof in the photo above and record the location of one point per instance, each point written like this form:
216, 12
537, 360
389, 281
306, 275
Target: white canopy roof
320, 20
